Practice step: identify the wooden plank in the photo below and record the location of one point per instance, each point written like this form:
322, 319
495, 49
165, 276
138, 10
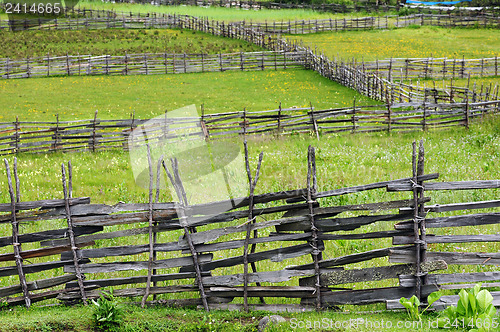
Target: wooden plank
266, 291
135, 280
340, 277
25, 254
47, 235
455, 258
378, 206
275, 255
348, 259
271, 277
455, 221
368, 296
340, 224
432, 238
452, 185
461, 206
440, 279
44, 204
136, 266
377, 185
39, 267
39, 284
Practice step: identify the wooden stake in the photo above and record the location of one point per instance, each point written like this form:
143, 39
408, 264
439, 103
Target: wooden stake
311, 170
150, 221
251, 220
68, 191
15, 233
183, 219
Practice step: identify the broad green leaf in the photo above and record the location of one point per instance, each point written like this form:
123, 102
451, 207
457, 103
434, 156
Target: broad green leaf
476, 289
484, 299
463, 303
415, 300
472, 304
490, 310
433, 297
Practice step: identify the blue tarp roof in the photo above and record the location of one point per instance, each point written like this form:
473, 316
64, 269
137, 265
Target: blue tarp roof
432, 3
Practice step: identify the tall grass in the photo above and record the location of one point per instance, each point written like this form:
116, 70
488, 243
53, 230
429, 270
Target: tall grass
149, 96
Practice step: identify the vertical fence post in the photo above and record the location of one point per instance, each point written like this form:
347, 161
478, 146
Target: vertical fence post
67, 64
71, 234
150, 229
353, 118
56, 134
313, 121
15, 231
315, 243
16, 136
183, 219
279, 121
93, 132
467, 114
251, 220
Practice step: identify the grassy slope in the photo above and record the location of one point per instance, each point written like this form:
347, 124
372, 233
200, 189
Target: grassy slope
149, 96
408, 42
116, 42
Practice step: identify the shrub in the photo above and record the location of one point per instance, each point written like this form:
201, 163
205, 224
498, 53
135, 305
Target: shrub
107, 315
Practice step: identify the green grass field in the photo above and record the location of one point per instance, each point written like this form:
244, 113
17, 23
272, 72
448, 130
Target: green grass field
116, 42
423, 42
150, 96
342, 160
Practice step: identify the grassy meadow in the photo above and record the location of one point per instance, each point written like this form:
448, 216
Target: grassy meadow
116, 42
411, 42
342, 160
149, 96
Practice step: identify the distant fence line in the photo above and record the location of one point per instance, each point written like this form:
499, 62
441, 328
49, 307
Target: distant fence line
147, 64
210, 262
350, 75
101, 19
97, 134
436, 68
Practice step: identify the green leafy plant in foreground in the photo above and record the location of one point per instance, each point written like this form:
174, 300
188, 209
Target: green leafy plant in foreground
474, 310
412, 305
107, 315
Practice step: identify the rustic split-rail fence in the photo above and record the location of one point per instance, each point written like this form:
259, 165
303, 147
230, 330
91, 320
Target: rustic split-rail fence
265, 238
148, 64
353, 75
98, 134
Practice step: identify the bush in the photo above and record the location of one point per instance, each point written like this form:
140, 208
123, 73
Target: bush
107, 315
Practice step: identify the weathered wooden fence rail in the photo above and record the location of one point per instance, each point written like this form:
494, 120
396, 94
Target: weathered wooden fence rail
147, 64
98, 134
435, 68
298, 224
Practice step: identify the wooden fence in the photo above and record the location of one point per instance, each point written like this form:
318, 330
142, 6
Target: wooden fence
147, 64
348, 74
210, 261
435, 68
98, 134
100, 19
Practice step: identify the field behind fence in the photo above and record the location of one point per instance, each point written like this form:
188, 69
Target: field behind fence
98, 134
224, 255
